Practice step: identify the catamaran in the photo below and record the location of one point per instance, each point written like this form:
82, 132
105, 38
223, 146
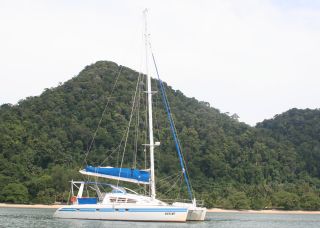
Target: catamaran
122, 203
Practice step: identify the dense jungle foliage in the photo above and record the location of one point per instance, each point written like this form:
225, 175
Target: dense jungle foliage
46, 140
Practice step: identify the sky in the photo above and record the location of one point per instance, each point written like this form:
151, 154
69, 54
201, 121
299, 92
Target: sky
256, 58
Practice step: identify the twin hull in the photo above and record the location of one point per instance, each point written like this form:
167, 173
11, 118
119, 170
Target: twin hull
123, 213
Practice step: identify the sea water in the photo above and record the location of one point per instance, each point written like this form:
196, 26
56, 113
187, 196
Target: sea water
21, 217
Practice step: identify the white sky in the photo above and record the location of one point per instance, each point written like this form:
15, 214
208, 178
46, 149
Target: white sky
255, 58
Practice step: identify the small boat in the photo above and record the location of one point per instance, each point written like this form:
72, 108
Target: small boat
120, 203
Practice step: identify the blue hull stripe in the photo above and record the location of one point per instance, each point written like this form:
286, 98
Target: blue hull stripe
123, 210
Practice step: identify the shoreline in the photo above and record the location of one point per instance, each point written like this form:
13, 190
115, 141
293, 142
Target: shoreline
271, 211
30, 206
211, 210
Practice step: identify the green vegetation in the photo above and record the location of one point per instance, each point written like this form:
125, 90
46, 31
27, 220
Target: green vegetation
15, 193
44, 139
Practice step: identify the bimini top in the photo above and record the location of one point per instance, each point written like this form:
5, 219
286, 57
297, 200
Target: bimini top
123, 174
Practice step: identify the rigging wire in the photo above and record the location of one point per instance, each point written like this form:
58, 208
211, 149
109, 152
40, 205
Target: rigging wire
175, 183
103, 113
173, 128
165, 178
156, 117
170, 183
157, 129
180, 188
128, 128
114, 150
146, 137
134, 165
178, 141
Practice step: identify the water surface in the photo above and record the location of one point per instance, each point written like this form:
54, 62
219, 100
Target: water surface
22, 217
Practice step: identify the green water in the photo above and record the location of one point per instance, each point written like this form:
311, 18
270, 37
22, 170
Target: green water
17, 217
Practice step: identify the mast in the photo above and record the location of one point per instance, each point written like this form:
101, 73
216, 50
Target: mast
149, 92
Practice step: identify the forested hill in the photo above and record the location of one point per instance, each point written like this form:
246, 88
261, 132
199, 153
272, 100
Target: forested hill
301, 129
44, 141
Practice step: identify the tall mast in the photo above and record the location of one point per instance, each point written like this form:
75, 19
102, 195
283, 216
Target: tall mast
149, 91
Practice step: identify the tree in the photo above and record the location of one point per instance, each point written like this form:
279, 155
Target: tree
310, 201
46, 196
15, 193
239, 200
286, 200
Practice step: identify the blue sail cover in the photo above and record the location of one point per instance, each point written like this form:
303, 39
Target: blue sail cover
134, 174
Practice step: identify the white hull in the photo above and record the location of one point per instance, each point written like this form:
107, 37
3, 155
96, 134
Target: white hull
194, 213
123, 212
197, 214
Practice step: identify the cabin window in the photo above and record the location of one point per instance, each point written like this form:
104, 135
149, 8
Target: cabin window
112, 200
131, 201
122, 200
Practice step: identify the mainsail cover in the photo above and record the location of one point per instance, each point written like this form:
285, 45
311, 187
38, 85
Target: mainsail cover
123, 174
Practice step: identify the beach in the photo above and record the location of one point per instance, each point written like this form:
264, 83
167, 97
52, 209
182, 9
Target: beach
271, 211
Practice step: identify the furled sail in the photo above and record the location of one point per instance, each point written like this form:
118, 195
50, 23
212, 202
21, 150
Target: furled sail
123, 174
